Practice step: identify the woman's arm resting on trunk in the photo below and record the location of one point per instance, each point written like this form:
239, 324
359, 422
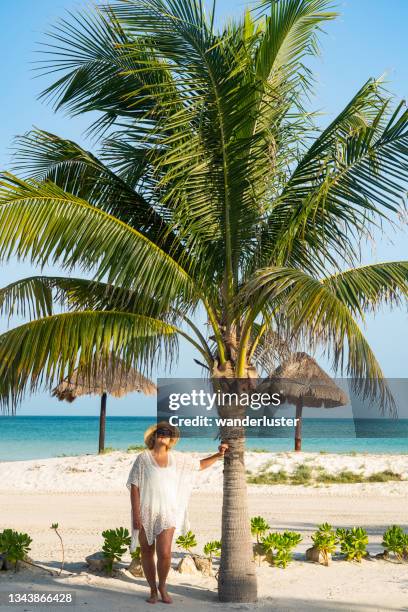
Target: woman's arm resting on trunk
207, 461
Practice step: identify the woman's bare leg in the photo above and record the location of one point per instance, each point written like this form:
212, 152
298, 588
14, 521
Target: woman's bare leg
163, 549
149, 567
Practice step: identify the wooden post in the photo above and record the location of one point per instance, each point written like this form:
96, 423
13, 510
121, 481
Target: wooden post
298, 430
102, 422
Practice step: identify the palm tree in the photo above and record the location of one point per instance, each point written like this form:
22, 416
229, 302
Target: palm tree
213, 191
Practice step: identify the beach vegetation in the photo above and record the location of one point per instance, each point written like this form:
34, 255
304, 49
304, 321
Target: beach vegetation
107, 450
265, 478
384, 476
302, 475
395, 540
187, 541
214, 189
279, 547
136, 448
259, 527
325, 540
212, 549
116, 542
353, 543
14, 546
54, 526
305, 475
344, 476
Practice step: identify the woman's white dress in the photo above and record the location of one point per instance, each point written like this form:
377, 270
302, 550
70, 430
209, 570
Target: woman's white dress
164, 492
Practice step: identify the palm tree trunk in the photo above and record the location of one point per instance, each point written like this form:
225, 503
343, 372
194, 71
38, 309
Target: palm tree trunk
298, 430
237, 575
102, 423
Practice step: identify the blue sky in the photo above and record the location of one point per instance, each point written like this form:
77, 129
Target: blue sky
368, 39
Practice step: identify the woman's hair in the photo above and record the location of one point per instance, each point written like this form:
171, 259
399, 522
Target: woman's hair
150, 434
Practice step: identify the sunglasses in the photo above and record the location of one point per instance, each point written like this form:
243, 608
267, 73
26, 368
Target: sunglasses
164, 433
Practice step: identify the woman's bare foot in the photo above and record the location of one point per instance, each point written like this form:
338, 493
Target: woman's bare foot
164, 595
154, 597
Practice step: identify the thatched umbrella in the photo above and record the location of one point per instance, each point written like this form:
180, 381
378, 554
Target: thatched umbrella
114, 379
303, 383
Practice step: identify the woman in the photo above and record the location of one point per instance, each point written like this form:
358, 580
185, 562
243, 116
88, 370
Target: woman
160, 483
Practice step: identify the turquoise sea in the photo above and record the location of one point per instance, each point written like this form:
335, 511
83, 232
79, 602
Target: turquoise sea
35, 437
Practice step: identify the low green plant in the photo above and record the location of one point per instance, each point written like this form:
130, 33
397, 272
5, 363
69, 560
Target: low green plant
302, 474
258, 527
267, 478
108, 449
384, 476
187, 541
14, 546
135, 447
54, 526
395, 540
212, 549
115, 545
279, 547
344, 476
353, 543
325, 540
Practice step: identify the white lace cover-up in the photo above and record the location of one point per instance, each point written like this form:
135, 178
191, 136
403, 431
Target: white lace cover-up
164, 493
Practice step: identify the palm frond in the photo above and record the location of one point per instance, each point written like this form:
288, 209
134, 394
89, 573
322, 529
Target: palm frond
318, 315
37, 296
370, 286
42, 222
38, 354
353, 175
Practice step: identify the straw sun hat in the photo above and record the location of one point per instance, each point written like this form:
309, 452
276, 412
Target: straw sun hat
150, 433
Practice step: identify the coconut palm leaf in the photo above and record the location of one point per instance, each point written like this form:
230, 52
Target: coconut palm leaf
318, 315
368, 287
46, 157
35, 297
354, 172
46, 224
38, 353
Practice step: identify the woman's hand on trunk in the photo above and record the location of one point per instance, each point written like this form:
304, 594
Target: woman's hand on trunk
222, 449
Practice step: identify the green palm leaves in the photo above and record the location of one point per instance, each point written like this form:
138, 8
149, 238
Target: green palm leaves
210, 190
49, 348
51, 225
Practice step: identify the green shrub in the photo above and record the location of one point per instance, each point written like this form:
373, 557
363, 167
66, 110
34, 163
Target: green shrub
384, 476
268, 478
135, 447
115, 545
302, 474
353, 543
212, 548
258, 527
395, 540
187, 541
325, 540
345, 476
278, 547
14, 545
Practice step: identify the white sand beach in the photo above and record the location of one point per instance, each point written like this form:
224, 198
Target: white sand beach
87, 494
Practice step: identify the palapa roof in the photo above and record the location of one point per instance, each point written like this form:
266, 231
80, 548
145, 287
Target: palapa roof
114, 378
301, 379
